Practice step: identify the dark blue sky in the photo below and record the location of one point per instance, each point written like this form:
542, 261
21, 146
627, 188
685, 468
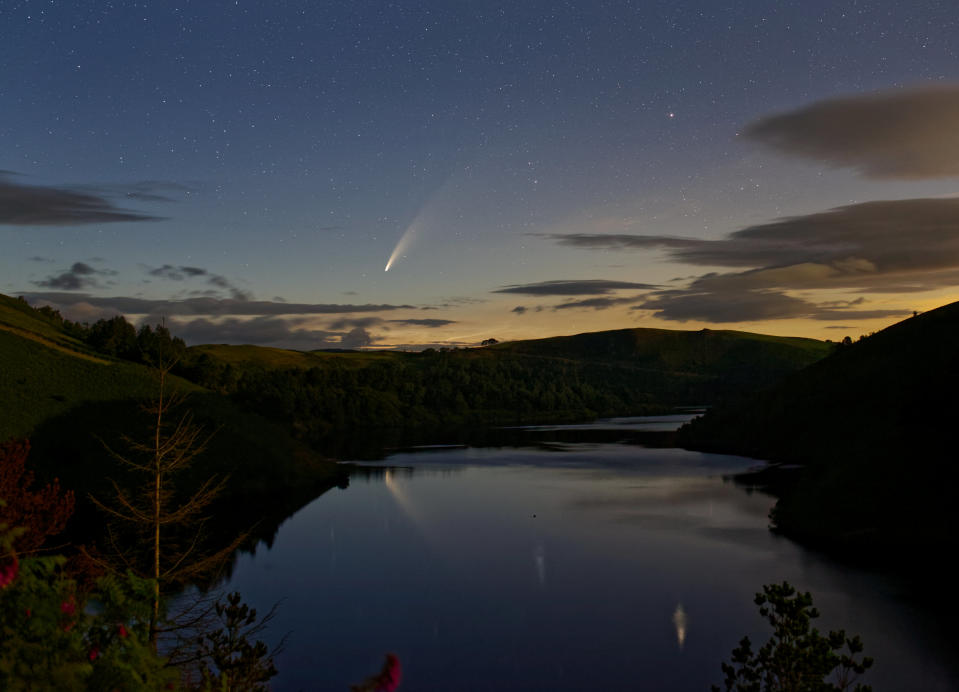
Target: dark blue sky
216, 159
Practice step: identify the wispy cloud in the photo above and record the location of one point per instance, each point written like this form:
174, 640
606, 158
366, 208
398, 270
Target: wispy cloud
205, 305
80, 275
572, 287
38, 205
182, 273
602, 303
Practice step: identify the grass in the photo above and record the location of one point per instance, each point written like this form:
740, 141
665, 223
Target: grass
42, 378
269, 358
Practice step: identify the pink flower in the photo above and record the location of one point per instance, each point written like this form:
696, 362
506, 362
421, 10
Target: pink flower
122, 631
389, 678
29, 612
68, 607
8, 573
94, 653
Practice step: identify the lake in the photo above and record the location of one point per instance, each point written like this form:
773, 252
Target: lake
558, 565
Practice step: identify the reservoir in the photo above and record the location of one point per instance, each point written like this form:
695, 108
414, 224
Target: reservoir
558, 565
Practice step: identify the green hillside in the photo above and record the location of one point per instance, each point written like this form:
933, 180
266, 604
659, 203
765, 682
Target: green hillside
69, 400
872, 427
46, 372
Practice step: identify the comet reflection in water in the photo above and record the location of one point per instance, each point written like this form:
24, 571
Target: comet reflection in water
402, 499
539, 559
679, 620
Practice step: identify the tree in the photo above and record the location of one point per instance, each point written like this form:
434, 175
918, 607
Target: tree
796, 658
115, 337
157, 531
228, 658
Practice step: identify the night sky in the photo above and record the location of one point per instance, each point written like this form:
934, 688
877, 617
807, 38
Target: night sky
246, 170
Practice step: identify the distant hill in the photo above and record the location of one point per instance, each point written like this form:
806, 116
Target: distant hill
323, 394
872, 425
732, 359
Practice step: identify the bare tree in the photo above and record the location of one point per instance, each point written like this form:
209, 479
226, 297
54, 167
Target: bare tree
157, 532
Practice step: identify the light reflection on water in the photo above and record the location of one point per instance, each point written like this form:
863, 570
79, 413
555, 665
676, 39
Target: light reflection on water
601, 567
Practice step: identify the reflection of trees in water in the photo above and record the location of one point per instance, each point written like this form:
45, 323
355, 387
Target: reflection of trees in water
234, 518
377, 444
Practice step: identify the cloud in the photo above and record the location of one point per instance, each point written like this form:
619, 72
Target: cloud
205, 305
749, 306
906, 134
79, 275
277, 332
598, 303
352, 322
181, 273
37, 205
576, 287
168, 271
880, 247
366, 322
356, 338
429, 324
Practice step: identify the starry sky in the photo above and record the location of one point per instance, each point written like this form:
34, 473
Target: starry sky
246, 170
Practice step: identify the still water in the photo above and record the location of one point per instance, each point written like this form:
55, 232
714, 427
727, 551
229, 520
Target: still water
557, 566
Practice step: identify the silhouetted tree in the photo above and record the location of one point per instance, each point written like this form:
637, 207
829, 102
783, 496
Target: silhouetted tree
796, 658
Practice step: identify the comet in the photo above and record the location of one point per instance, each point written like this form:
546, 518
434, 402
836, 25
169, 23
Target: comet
404, 241
438, 210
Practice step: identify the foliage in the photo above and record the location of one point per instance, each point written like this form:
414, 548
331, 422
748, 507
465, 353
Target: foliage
560, 379
230, 660
38, 514
796, 658
56, 637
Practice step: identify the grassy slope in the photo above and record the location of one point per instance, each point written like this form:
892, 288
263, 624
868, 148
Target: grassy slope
46, 373
57, 392
872, 424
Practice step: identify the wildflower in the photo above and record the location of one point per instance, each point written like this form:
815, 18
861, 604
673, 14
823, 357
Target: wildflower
8, 572
122, 631
389, 678
68, 607
94, 653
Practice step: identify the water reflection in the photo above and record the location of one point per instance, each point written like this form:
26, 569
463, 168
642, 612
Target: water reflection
679, 622
522, 569
539, 559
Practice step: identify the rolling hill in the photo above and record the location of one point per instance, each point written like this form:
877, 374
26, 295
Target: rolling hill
872, 427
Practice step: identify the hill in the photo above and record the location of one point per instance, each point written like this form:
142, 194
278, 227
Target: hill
620, 372
70, 399
871, 426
